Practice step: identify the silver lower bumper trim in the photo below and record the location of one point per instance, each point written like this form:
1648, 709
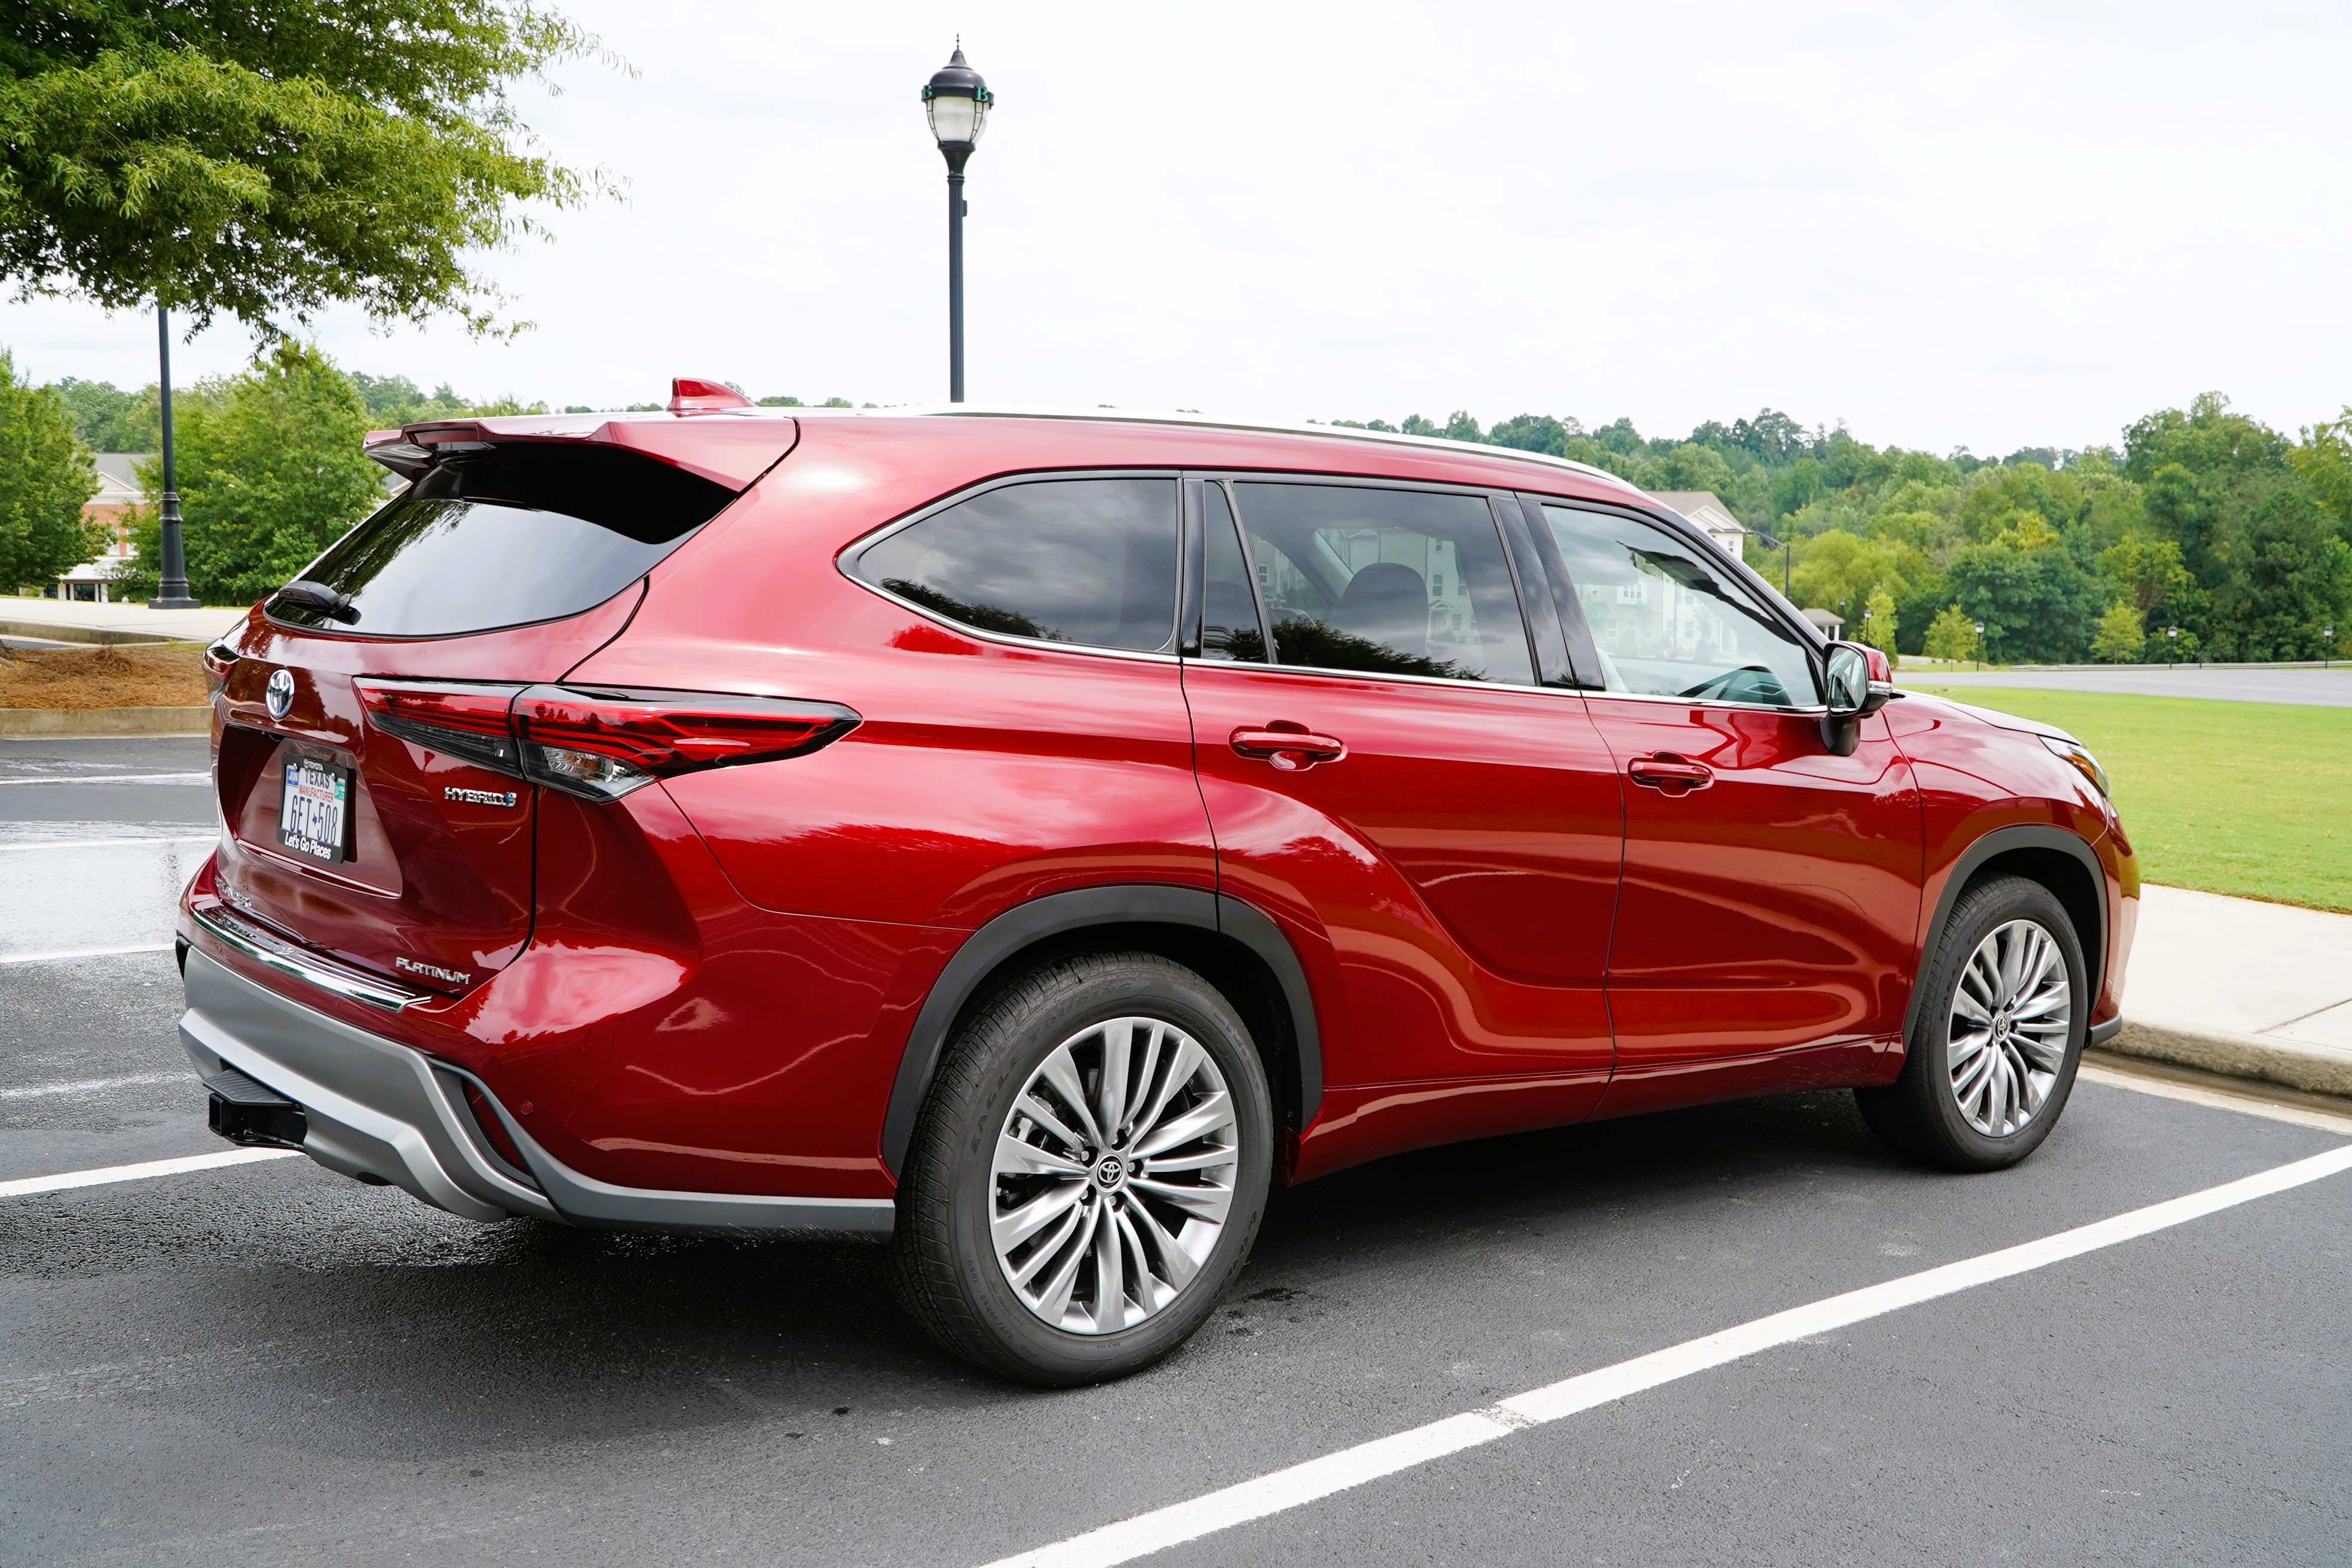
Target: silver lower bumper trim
381, 1109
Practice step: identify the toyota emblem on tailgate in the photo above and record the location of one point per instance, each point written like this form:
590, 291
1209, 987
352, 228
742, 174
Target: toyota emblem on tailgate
281, 694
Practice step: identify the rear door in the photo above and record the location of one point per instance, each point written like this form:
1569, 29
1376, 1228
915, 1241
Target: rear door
1772, 887
363, 760
1394, 778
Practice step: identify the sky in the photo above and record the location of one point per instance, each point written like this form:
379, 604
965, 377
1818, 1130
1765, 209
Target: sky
1991, 227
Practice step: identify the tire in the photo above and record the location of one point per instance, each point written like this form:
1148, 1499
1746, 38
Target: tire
1073, 1192
1988, 1107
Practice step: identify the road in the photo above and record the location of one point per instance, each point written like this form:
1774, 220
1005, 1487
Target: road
2312, 687
269, 1364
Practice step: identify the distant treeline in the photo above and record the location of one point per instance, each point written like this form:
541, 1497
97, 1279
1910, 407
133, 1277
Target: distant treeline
2207, 523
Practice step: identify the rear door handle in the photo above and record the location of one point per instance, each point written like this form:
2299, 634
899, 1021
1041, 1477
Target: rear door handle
1673, 775
1288, 750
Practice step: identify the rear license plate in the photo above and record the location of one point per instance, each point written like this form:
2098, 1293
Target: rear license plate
313, 817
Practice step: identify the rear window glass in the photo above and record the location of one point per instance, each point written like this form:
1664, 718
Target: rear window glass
1074, 560
504, 538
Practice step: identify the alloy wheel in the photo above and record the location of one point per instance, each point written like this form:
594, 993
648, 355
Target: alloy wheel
1113, 1176
2011, 1012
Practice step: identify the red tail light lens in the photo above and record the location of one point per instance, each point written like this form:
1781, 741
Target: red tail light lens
600, 743
603, 743
468, 722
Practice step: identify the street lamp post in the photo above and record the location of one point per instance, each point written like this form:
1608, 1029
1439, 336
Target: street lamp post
1980, 646
958, 103
172, 590
2171, 645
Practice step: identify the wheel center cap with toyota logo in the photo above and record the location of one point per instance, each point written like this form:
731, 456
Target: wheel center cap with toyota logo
1109, 1172
280, 695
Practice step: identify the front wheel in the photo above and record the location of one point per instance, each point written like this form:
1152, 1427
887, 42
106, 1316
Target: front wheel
2001, 1021
1088, 1172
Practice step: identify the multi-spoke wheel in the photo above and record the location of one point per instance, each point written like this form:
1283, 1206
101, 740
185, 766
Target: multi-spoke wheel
2012, 1018
1996, 1033
1088, 1173
1113, 1176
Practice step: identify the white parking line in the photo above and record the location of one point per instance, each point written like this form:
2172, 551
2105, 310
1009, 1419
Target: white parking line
1300, 1484
83, 953
92, 1085
110, 778
100, 843
28, 1186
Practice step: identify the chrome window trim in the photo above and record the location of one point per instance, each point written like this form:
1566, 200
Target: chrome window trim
1813, 711
857, 548
389, 998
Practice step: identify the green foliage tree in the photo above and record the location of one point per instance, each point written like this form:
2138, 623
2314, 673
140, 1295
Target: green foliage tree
1952, 636
2293, 577
2119, 637
2036, 605
272, 160
271, 470
109, 419
1880, 624
2325, 462
45, 479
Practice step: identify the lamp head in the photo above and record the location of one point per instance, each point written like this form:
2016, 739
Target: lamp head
958, 102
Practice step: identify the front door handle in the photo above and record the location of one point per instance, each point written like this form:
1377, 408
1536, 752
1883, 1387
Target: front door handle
1670, 773
1288, 750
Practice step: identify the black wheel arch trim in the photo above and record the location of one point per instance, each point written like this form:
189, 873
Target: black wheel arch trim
1062, 914
2102, 1033
2002, 841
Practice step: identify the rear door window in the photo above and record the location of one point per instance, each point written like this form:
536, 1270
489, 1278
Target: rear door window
1089, 562
1385, 581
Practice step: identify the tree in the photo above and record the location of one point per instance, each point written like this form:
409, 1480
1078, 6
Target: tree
2119, 637
1879, 623
45, 479
2207, 439
271, 470
2036, 605
261, 161
2325, 461
2293, 577
1953, 636
109, 419
2150, 574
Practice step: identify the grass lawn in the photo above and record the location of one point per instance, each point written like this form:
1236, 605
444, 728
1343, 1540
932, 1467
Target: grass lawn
2248, 798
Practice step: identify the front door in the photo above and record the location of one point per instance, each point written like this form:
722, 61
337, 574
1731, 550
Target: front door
1771, 888
1394, 782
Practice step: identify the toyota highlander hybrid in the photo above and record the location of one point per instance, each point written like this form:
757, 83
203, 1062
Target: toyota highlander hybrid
1031, 838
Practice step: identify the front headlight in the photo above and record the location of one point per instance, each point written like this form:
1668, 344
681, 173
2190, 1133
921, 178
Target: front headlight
2082, 761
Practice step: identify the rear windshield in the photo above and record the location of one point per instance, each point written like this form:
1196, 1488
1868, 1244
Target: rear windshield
504, 538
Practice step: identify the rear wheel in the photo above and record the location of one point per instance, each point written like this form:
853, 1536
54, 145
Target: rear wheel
1088, 1172
2001, 1021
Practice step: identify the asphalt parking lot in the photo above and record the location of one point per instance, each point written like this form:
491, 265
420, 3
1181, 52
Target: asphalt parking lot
268, 1363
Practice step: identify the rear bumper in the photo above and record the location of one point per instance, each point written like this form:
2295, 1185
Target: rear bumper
376, 1110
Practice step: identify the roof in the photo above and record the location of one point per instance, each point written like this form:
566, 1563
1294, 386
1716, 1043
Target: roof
396, 448
1702, 507
117, 478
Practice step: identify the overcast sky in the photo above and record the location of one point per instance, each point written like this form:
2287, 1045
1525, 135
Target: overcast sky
1988, 225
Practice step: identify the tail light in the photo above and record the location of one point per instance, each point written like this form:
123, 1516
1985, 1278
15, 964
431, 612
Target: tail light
219, 659
601, 743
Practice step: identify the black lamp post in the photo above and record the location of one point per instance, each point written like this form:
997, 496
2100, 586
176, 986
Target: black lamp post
958, 103
171, 591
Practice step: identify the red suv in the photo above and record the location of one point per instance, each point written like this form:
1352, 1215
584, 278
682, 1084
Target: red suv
1029, 838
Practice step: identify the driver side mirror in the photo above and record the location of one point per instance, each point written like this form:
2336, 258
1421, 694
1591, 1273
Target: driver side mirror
1857, 685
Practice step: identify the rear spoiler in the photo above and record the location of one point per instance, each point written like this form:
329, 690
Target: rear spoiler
731, 449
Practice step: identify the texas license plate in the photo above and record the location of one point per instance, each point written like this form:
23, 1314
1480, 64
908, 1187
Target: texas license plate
313, 818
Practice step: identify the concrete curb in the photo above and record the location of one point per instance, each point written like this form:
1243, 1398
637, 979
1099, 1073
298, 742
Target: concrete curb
30, 723
52, 631
2313, 1069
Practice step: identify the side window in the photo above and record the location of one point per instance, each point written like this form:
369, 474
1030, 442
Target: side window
1074, 561
1229, 628
1669, 621
1385, 581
